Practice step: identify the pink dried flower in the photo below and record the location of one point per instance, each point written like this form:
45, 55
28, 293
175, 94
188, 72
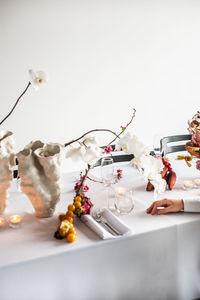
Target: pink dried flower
123, 128
119, 173
198, 165
196, 139
108, 149
78, 183
86, 188
194, 124
86, 206
196, 116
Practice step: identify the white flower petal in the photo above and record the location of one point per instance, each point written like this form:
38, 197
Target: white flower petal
159, 184
90, 141
76, 154
41, 77
92, 154
37, 78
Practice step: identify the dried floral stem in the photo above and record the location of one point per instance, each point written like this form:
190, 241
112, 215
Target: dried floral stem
108, 130
16, 103
89, 166
94, 180
83, 179
93, 130
124, 128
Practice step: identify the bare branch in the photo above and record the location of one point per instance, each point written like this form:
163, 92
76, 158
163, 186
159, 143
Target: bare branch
93, 130
83, 179
94, 180
108, 130
15, 103
124, 128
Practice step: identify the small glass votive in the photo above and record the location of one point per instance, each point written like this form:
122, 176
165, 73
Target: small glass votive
15, 221
2, 222
197, 182
188, 184
120, 190
124, 203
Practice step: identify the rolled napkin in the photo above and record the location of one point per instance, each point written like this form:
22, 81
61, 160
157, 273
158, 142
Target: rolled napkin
112, 220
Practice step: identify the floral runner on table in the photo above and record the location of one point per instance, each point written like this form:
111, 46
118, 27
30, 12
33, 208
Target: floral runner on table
39, 166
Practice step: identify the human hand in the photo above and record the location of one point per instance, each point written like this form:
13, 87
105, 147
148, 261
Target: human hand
170, 205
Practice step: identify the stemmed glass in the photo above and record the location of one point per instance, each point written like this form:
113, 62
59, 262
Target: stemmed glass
157, 144
108, 178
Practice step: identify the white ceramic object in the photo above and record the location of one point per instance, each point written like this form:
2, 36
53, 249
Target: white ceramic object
39, 170
7, 163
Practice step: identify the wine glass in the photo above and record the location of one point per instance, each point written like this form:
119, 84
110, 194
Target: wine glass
157, 144
108, 178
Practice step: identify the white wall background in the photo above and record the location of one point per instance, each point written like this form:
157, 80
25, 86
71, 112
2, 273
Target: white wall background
102, 57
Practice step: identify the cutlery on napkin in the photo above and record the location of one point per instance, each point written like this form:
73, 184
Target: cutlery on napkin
114, 227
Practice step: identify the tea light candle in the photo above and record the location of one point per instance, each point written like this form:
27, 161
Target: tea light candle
120, 190
188, 183
15, 221
197, 181
2, 222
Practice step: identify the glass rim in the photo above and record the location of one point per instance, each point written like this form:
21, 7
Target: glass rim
107, 158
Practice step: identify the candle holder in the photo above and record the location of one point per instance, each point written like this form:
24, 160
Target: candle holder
2, 223
197, 183
15, 221
124, 203
188, 184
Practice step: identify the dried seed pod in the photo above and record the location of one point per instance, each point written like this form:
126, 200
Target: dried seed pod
171, 179
164, 172
149, 187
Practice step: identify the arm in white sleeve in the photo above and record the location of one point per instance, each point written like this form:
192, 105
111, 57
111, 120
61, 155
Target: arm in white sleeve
192, 204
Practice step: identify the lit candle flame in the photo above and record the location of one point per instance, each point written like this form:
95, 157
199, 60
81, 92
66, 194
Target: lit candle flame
120, 190
15, 219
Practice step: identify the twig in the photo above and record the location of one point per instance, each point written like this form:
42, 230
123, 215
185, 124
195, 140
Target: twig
16, 103
131, 120
93, 130
108, 130
89, 167
94, 180
83, 179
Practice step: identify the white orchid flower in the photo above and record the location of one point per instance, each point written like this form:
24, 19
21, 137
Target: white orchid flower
132, 145
159, 183
123, 142
90, 141
151, 166
138, 149
92, 154
76, 153
37, 78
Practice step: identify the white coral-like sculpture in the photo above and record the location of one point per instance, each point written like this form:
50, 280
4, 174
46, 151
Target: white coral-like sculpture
39, 170
7, 163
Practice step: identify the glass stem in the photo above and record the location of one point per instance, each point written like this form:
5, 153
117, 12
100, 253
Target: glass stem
110, 199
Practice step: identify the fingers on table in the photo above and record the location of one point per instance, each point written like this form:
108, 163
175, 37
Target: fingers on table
164, 210
150, 208
153, 208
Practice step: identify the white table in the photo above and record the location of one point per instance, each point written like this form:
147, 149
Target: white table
161, 260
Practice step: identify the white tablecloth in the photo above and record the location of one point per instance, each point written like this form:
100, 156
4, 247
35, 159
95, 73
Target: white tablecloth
161, 260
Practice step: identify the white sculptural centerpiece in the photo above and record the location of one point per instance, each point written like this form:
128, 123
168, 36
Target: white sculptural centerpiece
39, 170
7, 163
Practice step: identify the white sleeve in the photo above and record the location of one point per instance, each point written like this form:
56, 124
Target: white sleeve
192, 204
